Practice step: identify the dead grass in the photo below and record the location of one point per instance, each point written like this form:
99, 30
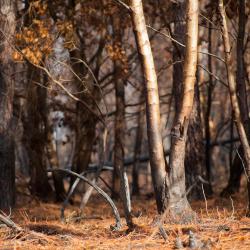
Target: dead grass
222, 226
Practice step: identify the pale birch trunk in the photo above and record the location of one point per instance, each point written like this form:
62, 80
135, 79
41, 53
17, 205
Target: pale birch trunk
169, 183
177, 192
157, 159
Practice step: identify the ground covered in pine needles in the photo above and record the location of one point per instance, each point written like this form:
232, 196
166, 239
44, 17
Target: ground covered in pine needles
222, 225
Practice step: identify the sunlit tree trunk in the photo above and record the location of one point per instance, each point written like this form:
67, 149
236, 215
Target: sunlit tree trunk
233, 94
169, 183
177, 191
157, 160
194, 158
7, 152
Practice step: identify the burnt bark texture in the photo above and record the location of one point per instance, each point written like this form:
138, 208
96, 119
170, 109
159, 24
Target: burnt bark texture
7, 152
233, 94
34, 136
120, 125
54, 163
236, 169
210, 86
137, 149
85, 123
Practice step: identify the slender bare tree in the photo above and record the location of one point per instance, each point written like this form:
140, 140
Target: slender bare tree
120, 123
169, 182
233, 95
236, 167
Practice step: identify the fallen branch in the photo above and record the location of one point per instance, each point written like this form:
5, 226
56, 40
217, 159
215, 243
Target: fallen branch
8, 222
100, 191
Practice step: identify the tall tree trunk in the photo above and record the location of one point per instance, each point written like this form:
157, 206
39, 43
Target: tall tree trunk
208, 108
157, 159
194, 158
233, 96
120, 124
85, 120
236, 168
177, 191
7, 152
34, 134
169, 184
137, 149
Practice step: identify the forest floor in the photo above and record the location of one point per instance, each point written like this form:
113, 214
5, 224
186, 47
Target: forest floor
221, 225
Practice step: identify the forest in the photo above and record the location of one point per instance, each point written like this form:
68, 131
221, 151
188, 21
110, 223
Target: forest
124, 124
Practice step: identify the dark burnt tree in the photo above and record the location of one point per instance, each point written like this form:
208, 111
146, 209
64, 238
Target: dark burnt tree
7, 152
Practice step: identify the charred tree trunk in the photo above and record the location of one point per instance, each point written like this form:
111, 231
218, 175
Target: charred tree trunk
7, 152
233, 96
53, 162
208, 109
85, 124
137, 150
236, 168
35, 136
120, 125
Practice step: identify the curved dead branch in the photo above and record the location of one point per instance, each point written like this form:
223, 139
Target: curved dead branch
100, 191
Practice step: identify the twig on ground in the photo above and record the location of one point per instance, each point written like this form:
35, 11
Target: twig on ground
8, 222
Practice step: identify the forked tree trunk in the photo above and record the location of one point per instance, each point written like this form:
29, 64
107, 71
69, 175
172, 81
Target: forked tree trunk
194, 158
169, 184
233, 96
7, 152
177, 192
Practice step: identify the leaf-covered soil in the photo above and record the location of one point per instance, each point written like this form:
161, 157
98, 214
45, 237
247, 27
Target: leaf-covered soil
221, 225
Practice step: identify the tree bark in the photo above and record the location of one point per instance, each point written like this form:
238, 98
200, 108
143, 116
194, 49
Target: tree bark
34, 134
208, 108
194, 158
53, 162
157, 159
120, 126
169, 183
233, 95
236, 169
7, 152
177, 192
137, 150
